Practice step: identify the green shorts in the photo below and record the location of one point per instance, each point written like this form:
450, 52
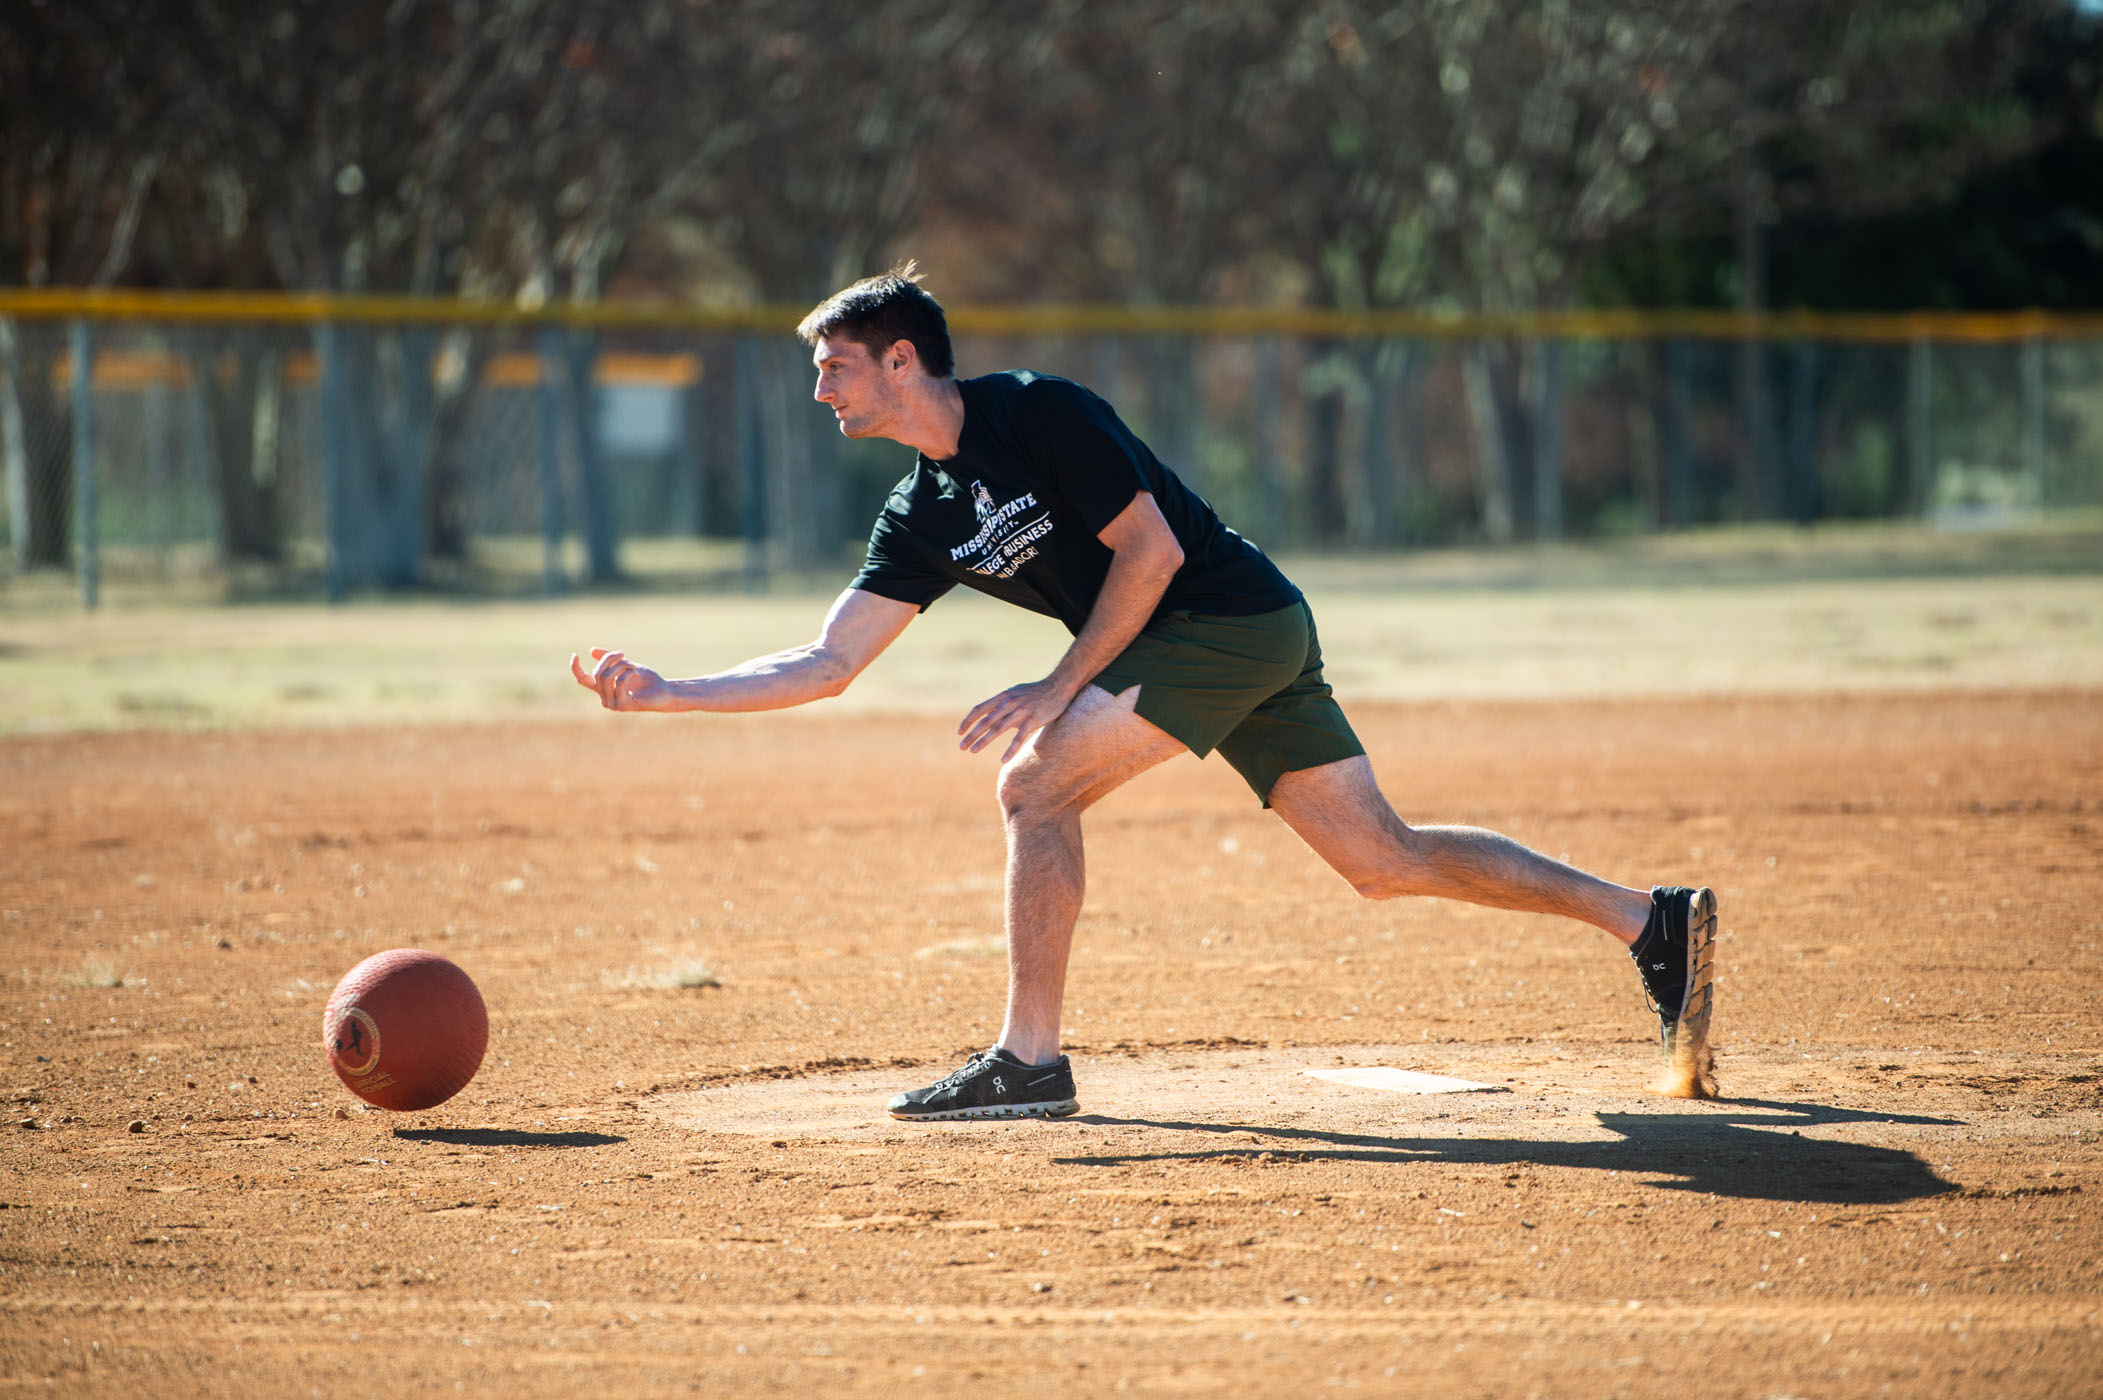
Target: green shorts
1250, 687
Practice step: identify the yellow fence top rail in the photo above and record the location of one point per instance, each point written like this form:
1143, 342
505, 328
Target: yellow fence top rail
307, 308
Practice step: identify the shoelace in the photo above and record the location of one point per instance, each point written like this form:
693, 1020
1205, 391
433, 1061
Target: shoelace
956, 1076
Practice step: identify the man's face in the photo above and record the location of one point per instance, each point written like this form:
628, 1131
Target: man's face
861, 390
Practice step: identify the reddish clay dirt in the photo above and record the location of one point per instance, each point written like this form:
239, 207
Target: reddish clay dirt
655, 1188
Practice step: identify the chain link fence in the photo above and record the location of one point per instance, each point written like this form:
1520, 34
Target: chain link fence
285, 458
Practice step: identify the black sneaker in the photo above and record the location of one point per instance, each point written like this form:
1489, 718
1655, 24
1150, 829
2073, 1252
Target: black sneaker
1676, 955
993, 1084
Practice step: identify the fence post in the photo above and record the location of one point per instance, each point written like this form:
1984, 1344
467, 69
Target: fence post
86, 531
601, 530
797, 482
407, 518
14, 444
548, 398
1920, 425
1548, 440
2033, 360
193, 451
1755, 431
1804, 504
1169, 363
1411, 458
335, 463
1375, 524
1493, 465
752, 463
1109, 367
1679, 432
690, 456
157, 488
819, 440
1270, 468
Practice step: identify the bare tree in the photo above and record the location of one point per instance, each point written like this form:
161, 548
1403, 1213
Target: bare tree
1483, 156
477, 147
86, 127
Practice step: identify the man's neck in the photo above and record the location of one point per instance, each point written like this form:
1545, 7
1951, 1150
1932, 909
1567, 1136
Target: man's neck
934, 418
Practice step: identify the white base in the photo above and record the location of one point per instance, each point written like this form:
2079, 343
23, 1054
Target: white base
1403, 1081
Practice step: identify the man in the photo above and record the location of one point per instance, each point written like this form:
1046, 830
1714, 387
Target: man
1186, 638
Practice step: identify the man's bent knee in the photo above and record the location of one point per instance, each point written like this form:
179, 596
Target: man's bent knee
1036, 787
1027, 789
1097, 745
1391, 868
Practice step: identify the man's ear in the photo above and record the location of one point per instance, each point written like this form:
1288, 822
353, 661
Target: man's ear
900, 356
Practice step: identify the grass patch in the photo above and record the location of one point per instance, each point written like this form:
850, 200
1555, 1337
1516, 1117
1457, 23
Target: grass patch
684, 975
171, 705
992, 946
1738, 611
97, 972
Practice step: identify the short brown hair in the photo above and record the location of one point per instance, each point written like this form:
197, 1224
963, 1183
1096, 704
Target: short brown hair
878, 312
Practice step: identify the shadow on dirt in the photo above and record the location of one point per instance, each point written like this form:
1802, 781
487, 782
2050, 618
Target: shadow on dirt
1752, 1150
506, 1137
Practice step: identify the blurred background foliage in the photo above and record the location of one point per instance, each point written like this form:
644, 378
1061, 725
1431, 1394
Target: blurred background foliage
1435, 153
1432, 155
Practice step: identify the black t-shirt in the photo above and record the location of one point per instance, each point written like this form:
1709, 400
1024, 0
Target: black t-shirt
1041, 467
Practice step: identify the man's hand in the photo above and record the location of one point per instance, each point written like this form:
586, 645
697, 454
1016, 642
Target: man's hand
620, 684
1022, 708
1144, 556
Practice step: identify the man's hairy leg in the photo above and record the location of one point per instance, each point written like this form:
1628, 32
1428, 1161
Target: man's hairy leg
1094, 747
1338, 810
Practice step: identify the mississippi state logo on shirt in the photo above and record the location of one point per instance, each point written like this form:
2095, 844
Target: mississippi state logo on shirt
1007, 533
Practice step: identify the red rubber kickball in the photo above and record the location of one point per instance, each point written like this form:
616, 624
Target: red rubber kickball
405, 1029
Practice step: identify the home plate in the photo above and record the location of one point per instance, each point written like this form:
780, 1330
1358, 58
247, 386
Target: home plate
1403, 1081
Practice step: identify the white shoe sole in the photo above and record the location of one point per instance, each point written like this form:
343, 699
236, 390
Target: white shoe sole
1687, 1053
1054, 1108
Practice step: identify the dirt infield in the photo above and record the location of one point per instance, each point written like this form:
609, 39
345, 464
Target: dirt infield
657, 1185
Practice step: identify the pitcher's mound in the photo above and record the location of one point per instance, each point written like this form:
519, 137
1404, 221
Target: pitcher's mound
1372, 1089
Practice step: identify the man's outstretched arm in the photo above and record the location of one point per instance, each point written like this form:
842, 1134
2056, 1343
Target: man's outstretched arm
860, 625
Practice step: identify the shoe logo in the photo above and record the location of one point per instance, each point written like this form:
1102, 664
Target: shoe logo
1000, 1086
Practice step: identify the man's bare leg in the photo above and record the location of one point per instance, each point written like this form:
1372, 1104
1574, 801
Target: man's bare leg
1097, 745
1338, 810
